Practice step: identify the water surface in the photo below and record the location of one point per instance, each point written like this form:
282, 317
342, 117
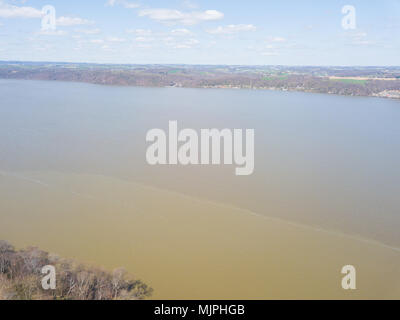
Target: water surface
324, 194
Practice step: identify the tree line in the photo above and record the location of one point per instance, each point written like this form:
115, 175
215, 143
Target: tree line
21, 278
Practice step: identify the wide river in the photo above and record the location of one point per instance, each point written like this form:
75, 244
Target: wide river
325, 192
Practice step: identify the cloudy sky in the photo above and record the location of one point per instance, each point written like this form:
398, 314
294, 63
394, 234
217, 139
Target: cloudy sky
285, 32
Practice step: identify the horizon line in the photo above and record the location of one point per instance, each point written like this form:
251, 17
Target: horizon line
203, 64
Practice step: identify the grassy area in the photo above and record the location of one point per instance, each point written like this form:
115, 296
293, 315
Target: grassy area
276, 77
351, 81
174, 71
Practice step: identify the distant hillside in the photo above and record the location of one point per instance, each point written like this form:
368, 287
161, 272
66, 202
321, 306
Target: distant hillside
353, 81
21, 278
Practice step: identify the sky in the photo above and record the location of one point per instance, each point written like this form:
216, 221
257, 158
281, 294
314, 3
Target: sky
213, 32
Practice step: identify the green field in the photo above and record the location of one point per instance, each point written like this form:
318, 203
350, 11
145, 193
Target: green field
276, 77
174, 71
351, 81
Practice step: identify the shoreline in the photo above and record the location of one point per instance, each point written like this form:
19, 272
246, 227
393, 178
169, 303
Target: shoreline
204, 87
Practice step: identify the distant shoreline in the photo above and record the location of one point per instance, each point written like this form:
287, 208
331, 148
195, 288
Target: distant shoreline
381, 82
214, 88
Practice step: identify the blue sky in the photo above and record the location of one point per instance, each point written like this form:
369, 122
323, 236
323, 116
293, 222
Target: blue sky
285, 32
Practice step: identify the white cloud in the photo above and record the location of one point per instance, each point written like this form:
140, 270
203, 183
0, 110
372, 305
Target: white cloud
124, 3
147, 33
181, 32
88, 31
69, 21
269, 54
276, 39
192, 41
37, 48
169, 40
359, 35
51, 33
179, 38
187, 44
97, 41
144, 45
232, 28
170, 16
364, 43
359, 38
144, 39
140, 32
115, 39
190, 4
356, 36
183, 46
11, 11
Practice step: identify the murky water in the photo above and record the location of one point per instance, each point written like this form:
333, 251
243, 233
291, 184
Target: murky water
74, 180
